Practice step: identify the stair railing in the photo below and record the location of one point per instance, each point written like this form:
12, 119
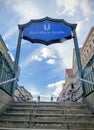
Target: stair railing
87, 81
18, 98
5, 86
7, 81
88, 89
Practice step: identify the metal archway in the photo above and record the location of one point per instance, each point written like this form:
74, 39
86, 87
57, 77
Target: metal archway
56, 30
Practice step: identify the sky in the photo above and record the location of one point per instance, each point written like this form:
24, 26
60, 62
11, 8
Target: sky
42, 68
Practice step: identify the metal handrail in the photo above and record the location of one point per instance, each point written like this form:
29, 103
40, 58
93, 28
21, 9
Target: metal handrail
75, 91
7, 81
11, 80
84, 80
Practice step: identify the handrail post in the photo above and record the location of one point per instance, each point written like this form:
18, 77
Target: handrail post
78, 61
17, 59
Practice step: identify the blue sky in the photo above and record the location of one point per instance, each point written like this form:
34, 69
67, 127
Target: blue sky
42, 68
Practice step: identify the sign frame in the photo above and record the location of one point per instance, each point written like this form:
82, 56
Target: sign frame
74, 36
57, 22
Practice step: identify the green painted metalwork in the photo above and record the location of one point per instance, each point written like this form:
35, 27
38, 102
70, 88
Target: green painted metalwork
78, 60
72, 26
17, 60
6, 73
88, 74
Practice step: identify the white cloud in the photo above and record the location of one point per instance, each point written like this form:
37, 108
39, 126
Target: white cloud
53, 85
30, 58
11, 56
23, 14
44, 97
87, 7
36, 58
24, 8
47, 52
26, 61
55, 91
82, 25
50, 61
64, 53
42, 53
69, 7
9, 33
57, 87
34, 91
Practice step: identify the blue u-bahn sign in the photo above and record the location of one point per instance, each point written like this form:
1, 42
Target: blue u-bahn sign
47, 31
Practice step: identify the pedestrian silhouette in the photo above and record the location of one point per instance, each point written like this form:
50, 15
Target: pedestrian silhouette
51, 98
38, 98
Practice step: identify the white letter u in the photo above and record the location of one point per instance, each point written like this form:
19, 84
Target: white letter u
47, 27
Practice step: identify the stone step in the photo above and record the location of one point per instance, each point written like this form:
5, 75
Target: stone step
66, 118
35, 107
53, 106
48, 110
49, 103
45, 129
47, 115
35, 103
46, 124
48, 106
43, 117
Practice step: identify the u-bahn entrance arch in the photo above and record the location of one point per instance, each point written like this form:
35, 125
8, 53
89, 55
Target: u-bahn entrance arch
48, 31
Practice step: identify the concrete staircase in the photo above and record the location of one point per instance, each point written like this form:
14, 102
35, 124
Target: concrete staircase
47, 115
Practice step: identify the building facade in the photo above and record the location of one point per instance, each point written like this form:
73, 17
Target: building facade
87, 51
62, 95
76, 76
87, 55
75, 70
7, 73
70, 86
69, 78
21, 94
6, 68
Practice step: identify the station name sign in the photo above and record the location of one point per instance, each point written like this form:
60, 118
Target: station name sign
46, 31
